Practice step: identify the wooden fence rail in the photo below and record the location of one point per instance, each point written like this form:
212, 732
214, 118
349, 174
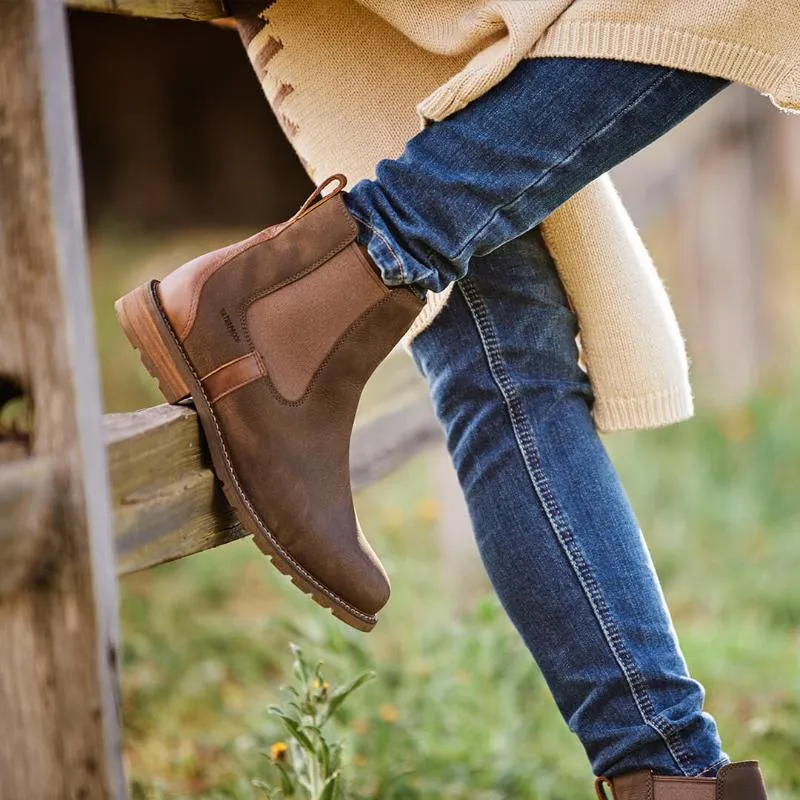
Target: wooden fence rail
197, 10
167, 503
83, 483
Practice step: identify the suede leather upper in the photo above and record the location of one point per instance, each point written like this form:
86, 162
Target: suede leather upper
284, 329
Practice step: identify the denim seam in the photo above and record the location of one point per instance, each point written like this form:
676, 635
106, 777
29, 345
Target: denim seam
717, 765
386, 243
558, 522
567, 158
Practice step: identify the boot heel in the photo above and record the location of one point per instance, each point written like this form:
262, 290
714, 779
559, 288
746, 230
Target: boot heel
141, 322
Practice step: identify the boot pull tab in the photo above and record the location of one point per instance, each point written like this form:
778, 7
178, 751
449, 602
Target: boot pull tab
599, 784
317, 196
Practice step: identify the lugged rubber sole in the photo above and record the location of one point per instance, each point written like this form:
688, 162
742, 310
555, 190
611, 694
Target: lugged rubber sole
149, 331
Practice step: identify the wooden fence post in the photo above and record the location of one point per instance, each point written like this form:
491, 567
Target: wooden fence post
720, 229
706, 179
60, 735
460, 560
786, 138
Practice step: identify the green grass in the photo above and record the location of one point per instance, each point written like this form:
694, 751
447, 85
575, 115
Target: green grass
458, 710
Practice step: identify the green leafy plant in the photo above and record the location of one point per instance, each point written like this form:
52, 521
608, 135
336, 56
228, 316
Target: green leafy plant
309, 762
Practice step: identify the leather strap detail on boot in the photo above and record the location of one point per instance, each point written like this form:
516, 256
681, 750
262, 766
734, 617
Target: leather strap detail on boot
318, 195
599, 787
633, 786
232, 376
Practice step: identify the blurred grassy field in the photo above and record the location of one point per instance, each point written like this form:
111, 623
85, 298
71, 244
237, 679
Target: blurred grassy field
458, 710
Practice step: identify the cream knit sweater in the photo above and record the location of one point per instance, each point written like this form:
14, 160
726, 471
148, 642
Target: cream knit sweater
350, 80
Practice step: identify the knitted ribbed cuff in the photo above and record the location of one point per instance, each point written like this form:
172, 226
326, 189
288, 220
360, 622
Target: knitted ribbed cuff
653, 44
649, 411
788, 97
610, 414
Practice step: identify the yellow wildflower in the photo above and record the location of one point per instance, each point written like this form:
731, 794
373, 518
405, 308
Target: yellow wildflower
278, 751
359, 760
388, 713
360, 725
737, 425
428, 510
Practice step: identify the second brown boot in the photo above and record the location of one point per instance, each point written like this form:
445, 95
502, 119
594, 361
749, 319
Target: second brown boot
274, 338
741, 781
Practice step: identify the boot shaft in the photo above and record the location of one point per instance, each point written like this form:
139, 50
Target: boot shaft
741, 781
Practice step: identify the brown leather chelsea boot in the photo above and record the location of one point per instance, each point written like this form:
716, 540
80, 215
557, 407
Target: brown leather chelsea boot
274, 338
742, 781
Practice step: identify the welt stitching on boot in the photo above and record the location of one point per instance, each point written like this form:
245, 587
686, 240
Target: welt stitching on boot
274, 338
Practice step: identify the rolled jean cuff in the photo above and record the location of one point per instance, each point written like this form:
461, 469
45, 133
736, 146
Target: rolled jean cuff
381, 251
386, 255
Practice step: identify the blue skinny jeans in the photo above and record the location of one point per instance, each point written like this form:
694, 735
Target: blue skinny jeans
553, 525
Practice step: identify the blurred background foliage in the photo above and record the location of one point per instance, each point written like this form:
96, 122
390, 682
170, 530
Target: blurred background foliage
181, 155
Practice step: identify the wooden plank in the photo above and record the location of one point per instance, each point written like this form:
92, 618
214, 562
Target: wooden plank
786, 141
703, 177
27, 502
719, 230
388, 440
459, 553
651, 181
167, 503
200, 10
58, 638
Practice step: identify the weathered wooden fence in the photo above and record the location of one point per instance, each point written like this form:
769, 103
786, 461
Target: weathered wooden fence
714, 181
83, 498
59, 698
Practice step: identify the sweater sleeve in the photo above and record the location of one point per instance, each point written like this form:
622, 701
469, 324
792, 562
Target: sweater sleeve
632, 346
